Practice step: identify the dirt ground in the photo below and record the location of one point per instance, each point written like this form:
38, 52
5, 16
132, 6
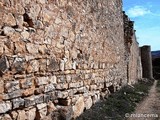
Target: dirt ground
149, 108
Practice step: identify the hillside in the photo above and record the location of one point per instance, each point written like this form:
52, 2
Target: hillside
155, 54
156, 64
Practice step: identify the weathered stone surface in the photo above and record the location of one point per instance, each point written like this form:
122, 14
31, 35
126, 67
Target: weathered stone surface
49, 88
20, 19
10, 20
88, 102
58, 21
14, 94
78, 107
32, 48
5, 106
47, 97
4, 65
62, 65
1, 47
42, 1
18, 65
42, 111
42, 49
51, 107
29, 101
76, 85
20, 47
42, 105
39, 99
26, 83
93, 87
95, 98
53, 65
61, 94
43, 65
61, 79
12, 86
14, 115
1, 87
21, 115
8, 31
25, 35
18, 102
29, 91
62, 86
1, 97
31, 114
53, 79
6, 117
41, 81
33, 66
39, 90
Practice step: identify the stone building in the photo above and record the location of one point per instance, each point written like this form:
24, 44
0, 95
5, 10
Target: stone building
59, 57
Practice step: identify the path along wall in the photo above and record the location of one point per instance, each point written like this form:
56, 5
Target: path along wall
59, 57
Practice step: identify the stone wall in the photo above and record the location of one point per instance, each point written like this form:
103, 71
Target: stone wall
59, 57
132, 52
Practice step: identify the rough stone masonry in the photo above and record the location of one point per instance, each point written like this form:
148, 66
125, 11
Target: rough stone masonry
59, 57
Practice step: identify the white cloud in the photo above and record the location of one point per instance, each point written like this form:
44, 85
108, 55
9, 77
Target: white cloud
137, 11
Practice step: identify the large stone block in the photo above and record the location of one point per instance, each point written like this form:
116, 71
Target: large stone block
29, 91
8, 31
13, 94
20, 47
53, 79
78, 107
49, 88
6, 117
4, 64
62, 94
33, 66
53, 64
88, 102
25, 35
9, 19
42, 111
51, 107
32, 48
29, 101
41, 81
18, 102
43, 65
12, 86
14, 115
39, 98
31, 114
5, 106
62, 86
26, 83
18, 65
21, 115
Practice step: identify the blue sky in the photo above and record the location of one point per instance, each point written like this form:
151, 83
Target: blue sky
146, 15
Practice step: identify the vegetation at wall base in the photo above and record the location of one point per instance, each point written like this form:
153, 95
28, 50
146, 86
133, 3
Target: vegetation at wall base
158, 85
119, 103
